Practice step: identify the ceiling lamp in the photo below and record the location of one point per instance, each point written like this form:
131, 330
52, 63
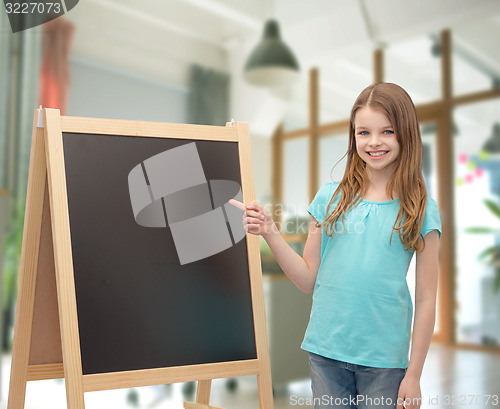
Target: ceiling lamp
272, 63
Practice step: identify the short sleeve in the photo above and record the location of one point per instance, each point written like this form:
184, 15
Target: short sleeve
432, 219
318, 206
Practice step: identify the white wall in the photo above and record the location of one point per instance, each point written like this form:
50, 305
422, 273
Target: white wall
105, 92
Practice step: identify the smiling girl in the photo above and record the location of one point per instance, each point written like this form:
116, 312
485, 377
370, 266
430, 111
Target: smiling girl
358, 336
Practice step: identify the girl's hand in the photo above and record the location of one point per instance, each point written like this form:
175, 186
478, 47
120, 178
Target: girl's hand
256, 219
409, 395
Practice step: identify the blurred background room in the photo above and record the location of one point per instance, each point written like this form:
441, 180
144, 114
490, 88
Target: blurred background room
194, 61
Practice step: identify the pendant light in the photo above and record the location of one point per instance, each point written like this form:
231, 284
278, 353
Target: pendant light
272, 63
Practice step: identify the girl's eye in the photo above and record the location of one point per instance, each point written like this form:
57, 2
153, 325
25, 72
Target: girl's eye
366, 132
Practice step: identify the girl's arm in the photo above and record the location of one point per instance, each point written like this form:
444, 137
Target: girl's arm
425, 303
423, 324
301, 270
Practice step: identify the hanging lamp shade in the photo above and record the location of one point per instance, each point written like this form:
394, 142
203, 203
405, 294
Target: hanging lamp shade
271, 63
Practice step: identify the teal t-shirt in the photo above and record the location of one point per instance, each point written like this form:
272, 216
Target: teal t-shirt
362, 309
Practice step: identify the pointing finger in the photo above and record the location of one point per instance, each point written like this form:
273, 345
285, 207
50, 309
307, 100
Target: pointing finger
237, 204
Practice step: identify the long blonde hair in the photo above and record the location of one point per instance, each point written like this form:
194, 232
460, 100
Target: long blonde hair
407, 178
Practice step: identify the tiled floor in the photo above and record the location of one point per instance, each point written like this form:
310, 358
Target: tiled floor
451, 378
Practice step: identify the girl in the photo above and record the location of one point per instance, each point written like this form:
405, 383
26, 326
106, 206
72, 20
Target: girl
359, 329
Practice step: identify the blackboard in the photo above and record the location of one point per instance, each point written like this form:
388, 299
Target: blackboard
138, 307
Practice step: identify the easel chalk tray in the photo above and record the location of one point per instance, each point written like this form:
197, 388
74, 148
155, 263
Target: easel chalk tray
135, 269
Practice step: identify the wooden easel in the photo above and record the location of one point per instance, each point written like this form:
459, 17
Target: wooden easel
46, 337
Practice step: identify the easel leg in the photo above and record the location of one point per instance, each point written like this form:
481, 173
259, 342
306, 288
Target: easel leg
22, 339
66, 296
202, 396
265, 386
203, 392
28, 270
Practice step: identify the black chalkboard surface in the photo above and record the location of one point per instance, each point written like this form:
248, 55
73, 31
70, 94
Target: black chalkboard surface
138, 307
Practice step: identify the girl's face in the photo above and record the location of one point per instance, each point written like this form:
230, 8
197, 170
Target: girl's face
375, 134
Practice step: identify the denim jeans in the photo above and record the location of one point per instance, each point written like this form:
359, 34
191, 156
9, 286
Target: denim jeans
338, 384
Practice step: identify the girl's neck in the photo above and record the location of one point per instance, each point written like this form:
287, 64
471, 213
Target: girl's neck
379, 194
377, 188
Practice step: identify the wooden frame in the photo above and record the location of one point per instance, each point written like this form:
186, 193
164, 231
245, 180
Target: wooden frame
46, 337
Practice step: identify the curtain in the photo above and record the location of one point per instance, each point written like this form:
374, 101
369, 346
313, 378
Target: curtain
54, 75
19, 70
208, 99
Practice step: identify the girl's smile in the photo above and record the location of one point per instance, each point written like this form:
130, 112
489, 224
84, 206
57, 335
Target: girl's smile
377, 154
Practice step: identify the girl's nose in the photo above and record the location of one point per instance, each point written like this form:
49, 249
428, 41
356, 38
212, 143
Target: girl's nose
374, 140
